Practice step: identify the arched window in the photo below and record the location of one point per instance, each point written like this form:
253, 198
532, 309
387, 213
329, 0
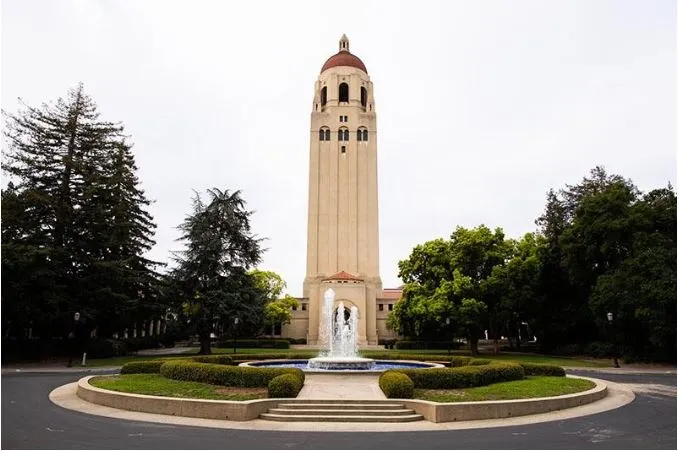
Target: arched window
321, 135
340, 135
324, 96
359, 135
327, 134
365, 134
343, 92
346, 135
364, 97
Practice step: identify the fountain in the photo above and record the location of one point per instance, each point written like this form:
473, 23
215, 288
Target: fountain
338, 338
338, 334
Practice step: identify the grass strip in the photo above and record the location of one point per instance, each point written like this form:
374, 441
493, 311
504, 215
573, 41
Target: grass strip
530, 387
157, 385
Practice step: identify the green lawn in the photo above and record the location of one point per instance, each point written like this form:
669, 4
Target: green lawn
530, 387
155, 384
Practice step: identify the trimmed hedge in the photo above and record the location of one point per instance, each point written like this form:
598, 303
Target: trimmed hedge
219, 359
459, 361
466, 376
285, 386
145, 366
255, 343
541, 369
406, 344
231, 376
395, 384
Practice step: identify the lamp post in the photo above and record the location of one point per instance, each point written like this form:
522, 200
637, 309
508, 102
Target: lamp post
235, 325
73, 339
448, 334
609, 316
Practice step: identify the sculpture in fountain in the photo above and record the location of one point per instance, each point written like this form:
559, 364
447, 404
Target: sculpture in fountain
338, 338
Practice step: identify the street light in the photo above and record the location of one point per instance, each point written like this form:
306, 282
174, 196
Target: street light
609, 316
73, 339
448, 334
235, 325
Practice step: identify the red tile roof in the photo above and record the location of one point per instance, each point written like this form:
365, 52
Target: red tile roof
343, 275
344, 58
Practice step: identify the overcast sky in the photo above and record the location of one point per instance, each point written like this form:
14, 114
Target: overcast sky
482, 106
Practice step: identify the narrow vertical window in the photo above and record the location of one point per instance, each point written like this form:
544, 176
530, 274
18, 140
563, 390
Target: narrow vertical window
344, 149
324, 95
364, 97
340, 135
365, 134
327, 134
321, 135
343, 92
359, 136
346, 135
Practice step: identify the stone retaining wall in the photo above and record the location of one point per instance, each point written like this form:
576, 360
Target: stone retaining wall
250, 410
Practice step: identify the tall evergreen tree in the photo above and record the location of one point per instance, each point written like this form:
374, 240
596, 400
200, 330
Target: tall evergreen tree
212, 273
83, 218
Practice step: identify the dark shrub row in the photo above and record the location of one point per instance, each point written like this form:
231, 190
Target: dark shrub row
145, 366
541, 369
458, 361
219, 359
285, 386
405, 344
231, 376
255, 343
297, 341
466, 376
395, 384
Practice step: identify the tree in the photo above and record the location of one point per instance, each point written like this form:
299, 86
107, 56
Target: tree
279, 311
447, 280
211, 272
77, 217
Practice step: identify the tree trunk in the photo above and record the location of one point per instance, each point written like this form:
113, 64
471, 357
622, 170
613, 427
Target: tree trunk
496, 346
205, 345
474, 345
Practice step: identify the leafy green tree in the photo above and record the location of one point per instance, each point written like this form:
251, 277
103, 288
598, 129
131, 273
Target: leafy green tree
278, 309
212, 271
440, 275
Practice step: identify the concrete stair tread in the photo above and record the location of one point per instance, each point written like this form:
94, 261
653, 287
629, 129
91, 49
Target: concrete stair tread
372, 412
339, 405
342, 418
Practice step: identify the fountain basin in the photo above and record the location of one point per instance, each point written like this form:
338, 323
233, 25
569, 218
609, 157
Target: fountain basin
341, 363
377, 367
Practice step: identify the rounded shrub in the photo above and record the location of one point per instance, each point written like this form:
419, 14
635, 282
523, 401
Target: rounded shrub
541, 369
285, 386
231, 376
395, 384
218, 359
146, 366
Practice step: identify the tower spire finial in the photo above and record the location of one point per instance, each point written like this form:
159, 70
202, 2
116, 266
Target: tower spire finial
344, 43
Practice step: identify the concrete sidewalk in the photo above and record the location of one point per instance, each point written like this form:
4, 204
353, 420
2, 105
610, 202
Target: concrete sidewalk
341, 386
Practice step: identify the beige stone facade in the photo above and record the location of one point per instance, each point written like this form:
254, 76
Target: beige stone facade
343, 229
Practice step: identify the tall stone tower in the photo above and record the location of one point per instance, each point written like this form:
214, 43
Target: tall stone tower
342, 236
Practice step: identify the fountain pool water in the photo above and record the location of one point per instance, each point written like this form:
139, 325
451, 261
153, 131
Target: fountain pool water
338, 339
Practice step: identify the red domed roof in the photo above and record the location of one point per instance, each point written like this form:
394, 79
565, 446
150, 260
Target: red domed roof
344, 58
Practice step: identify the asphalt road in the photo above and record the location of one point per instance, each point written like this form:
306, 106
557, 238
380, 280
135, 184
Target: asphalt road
31, 421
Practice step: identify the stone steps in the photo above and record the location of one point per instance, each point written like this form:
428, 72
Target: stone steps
348, 411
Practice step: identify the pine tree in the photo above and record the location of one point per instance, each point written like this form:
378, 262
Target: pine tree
212, 271
79, 206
